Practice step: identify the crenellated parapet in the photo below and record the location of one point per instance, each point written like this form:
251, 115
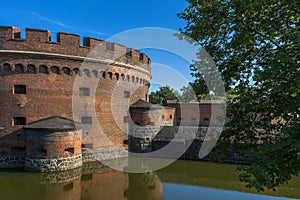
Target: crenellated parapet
37, 40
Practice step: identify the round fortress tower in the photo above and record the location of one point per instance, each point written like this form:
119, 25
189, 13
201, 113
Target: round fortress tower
37, 79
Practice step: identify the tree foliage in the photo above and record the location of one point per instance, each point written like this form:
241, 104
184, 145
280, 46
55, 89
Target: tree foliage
255, 45
162, 94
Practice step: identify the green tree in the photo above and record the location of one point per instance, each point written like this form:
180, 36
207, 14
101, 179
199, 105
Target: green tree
163, 93
255, 45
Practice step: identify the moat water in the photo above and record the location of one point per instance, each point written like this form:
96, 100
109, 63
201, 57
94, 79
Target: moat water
180, 180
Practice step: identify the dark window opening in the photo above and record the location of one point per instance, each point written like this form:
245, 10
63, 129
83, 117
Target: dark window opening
110, 46
132, 78
43, 69
55, 69
86, 72
163, 117
17, 35
66, 70
129, 53
86, 177
123, 77
31, 69
110, 75
19, 68
171, 116
126, 119
19, 89
84, 91
68, 186
117, 76
128, 78
126, 94
89, 146
19, 121
141, 56
206, 119
6, 67
86, 120
76, 71
95, 73
146, 97
69, 150
103, 75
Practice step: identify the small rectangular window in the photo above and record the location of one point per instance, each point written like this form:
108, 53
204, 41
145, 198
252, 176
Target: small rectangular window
141, 56
68, 186
146, 97
86, 120
126, 119
89, 146
126, 94
110, 46
206, 119
86, 177
163, 117
19, 89
19, 121
84, 91
69, 150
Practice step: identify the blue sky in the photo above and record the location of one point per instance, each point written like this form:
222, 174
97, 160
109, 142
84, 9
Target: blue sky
103, 19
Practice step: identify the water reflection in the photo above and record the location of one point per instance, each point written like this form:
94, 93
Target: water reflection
182, 179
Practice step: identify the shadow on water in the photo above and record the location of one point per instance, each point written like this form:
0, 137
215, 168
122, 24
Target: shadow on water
182, 179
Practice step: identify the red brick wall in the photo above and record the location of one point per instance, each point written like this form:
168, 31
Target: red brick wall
51, 94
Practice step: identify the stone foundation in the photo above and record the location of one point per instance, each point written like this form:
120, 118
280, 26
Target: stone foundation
7, 162
49, 165
105, 154
61, 164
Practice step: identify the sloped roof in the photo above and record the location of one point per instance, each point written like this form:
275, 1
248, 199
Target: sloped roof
54, 123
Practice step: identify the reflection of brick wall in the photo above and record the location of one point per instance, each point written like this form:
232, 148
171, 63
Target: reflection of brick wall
48, 70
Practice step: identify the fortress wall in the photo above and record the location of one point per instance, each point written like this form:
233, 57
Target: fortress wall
49, 69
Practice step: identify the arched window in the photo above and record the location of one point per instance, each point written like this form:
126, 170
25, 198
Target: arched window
31, 69
43, 69
128, 78
137, 79
66, 70
19, 68
77, 71
123, 77
103, 74
55, 69
132, 78
86, 72
117, 76
95, 73
109, 74
6, 68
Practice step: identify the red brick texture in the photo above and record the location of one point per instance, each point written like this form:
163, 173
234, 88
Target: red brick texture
49, 70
